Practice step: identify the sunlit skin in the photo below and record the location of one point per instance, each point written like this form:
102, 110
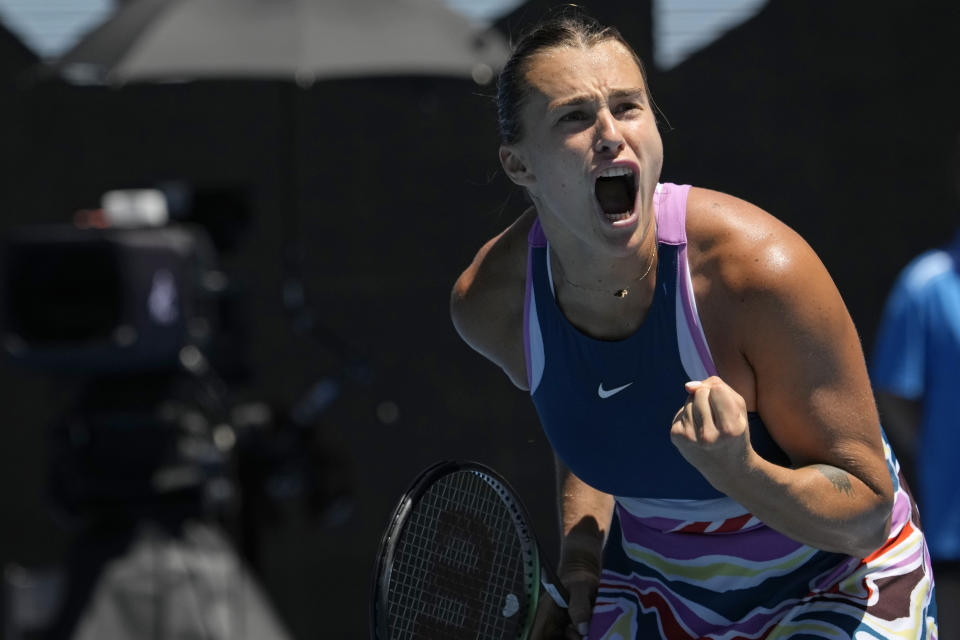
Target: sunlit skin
779, 333
588, 109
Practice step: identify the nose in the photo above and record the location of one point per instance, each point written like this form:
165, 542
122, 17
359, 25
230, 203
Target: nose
609, 137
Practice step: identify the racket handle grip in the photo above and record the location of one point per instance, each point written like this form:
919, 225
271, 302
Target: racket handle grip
555, 588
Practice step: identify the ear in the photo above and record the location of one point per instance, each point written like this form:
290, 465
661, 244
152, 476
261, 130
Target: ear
515, 167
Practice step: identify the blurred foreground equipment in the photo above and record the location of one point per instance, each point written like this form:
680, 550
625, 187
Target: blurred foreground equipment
149, 580
158, 463
95, 301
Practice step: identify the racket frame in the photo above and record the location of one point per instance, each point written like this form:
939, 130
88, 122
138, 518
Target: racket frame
383, 568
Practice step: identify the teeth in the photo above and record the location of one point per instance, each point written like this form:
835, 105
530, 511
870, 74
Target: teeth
613, 172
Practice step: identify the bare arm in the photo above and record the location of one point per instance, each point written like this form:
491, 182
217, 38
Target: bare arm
787, 349
486, 303
486, 306
585, 517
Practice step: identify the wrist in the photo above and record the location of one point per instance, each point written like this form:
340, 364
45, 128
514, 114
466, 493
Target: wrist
732, 482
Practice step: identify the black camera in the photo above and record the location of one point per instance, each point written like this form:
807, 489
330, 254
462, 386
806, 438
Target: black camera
102, 301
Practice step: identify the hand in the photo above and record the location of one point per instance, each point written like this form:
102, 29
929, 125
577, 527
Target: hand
555, 623
552, 622
711, 429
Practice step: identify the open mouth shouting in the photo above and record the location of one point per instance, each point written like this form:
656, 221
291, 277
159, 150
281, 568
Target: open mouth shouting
616, 192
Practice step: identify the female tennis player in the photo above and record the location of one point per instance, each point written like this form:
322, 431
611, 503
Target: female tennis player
721, 468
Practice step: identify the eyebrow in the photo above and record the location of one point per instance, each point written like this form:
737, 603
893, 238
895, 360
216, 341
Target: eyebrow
585, 98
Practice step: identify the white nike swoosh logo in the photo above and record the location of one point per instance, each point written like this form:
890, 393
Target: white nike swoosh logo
603, 393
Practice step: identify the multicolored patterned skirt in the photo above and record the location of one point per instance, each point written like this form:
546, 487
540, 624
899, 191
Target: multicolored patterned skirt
681, 569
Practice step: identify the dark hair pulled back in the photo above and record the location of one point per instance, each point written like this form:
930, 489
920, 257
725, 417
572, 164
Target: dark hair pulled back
569, 28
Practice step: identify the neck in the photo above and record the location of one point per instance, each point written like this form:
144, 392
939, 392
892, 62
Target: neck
600, 313
606, 275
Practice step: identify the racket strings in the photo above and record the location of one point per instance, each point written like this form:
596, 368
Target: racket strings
461, 568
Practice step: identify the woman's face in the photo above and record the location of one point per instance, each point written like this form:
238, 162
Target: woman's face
590, 155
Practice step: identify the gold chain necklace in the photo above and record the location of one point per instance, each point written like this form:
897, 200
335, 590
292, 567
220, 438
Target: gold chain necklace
620, 293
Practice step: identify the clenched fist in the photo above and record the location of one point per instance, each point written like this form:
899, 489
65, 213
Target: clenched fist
711, 430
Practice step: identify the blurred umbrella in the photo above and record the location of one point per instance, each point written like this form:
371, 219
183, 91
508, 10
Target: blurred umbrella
303, 40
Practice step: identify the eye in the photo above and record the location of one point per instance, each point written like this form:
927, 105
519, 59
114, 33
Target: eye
627, 107
573, 116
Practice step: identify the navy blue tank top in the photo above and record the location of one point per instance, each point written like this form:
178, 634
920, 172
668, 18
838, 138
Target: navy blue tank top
607, 406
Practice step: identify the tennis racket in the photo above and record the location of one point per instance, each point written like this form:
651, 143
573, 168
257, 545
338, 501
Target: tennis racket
459, 561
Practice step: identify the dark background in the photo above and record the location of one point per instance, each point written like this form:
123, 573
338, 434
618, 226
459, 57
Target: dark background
838, 118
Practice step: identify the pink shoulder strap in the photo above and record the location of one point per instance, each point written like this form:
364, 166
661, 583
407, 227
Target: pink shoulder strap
670, 203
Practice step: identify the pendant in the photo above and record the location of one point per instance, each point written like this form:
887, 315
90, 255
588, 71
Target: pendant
620, 293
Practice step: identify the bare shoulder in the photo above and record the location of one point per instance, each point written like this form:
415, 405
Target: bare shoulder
486, 304
749, 268
742, 247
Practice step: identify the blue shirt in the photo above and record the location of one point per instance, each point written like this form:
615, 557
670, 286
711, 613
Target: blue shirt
917, 356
